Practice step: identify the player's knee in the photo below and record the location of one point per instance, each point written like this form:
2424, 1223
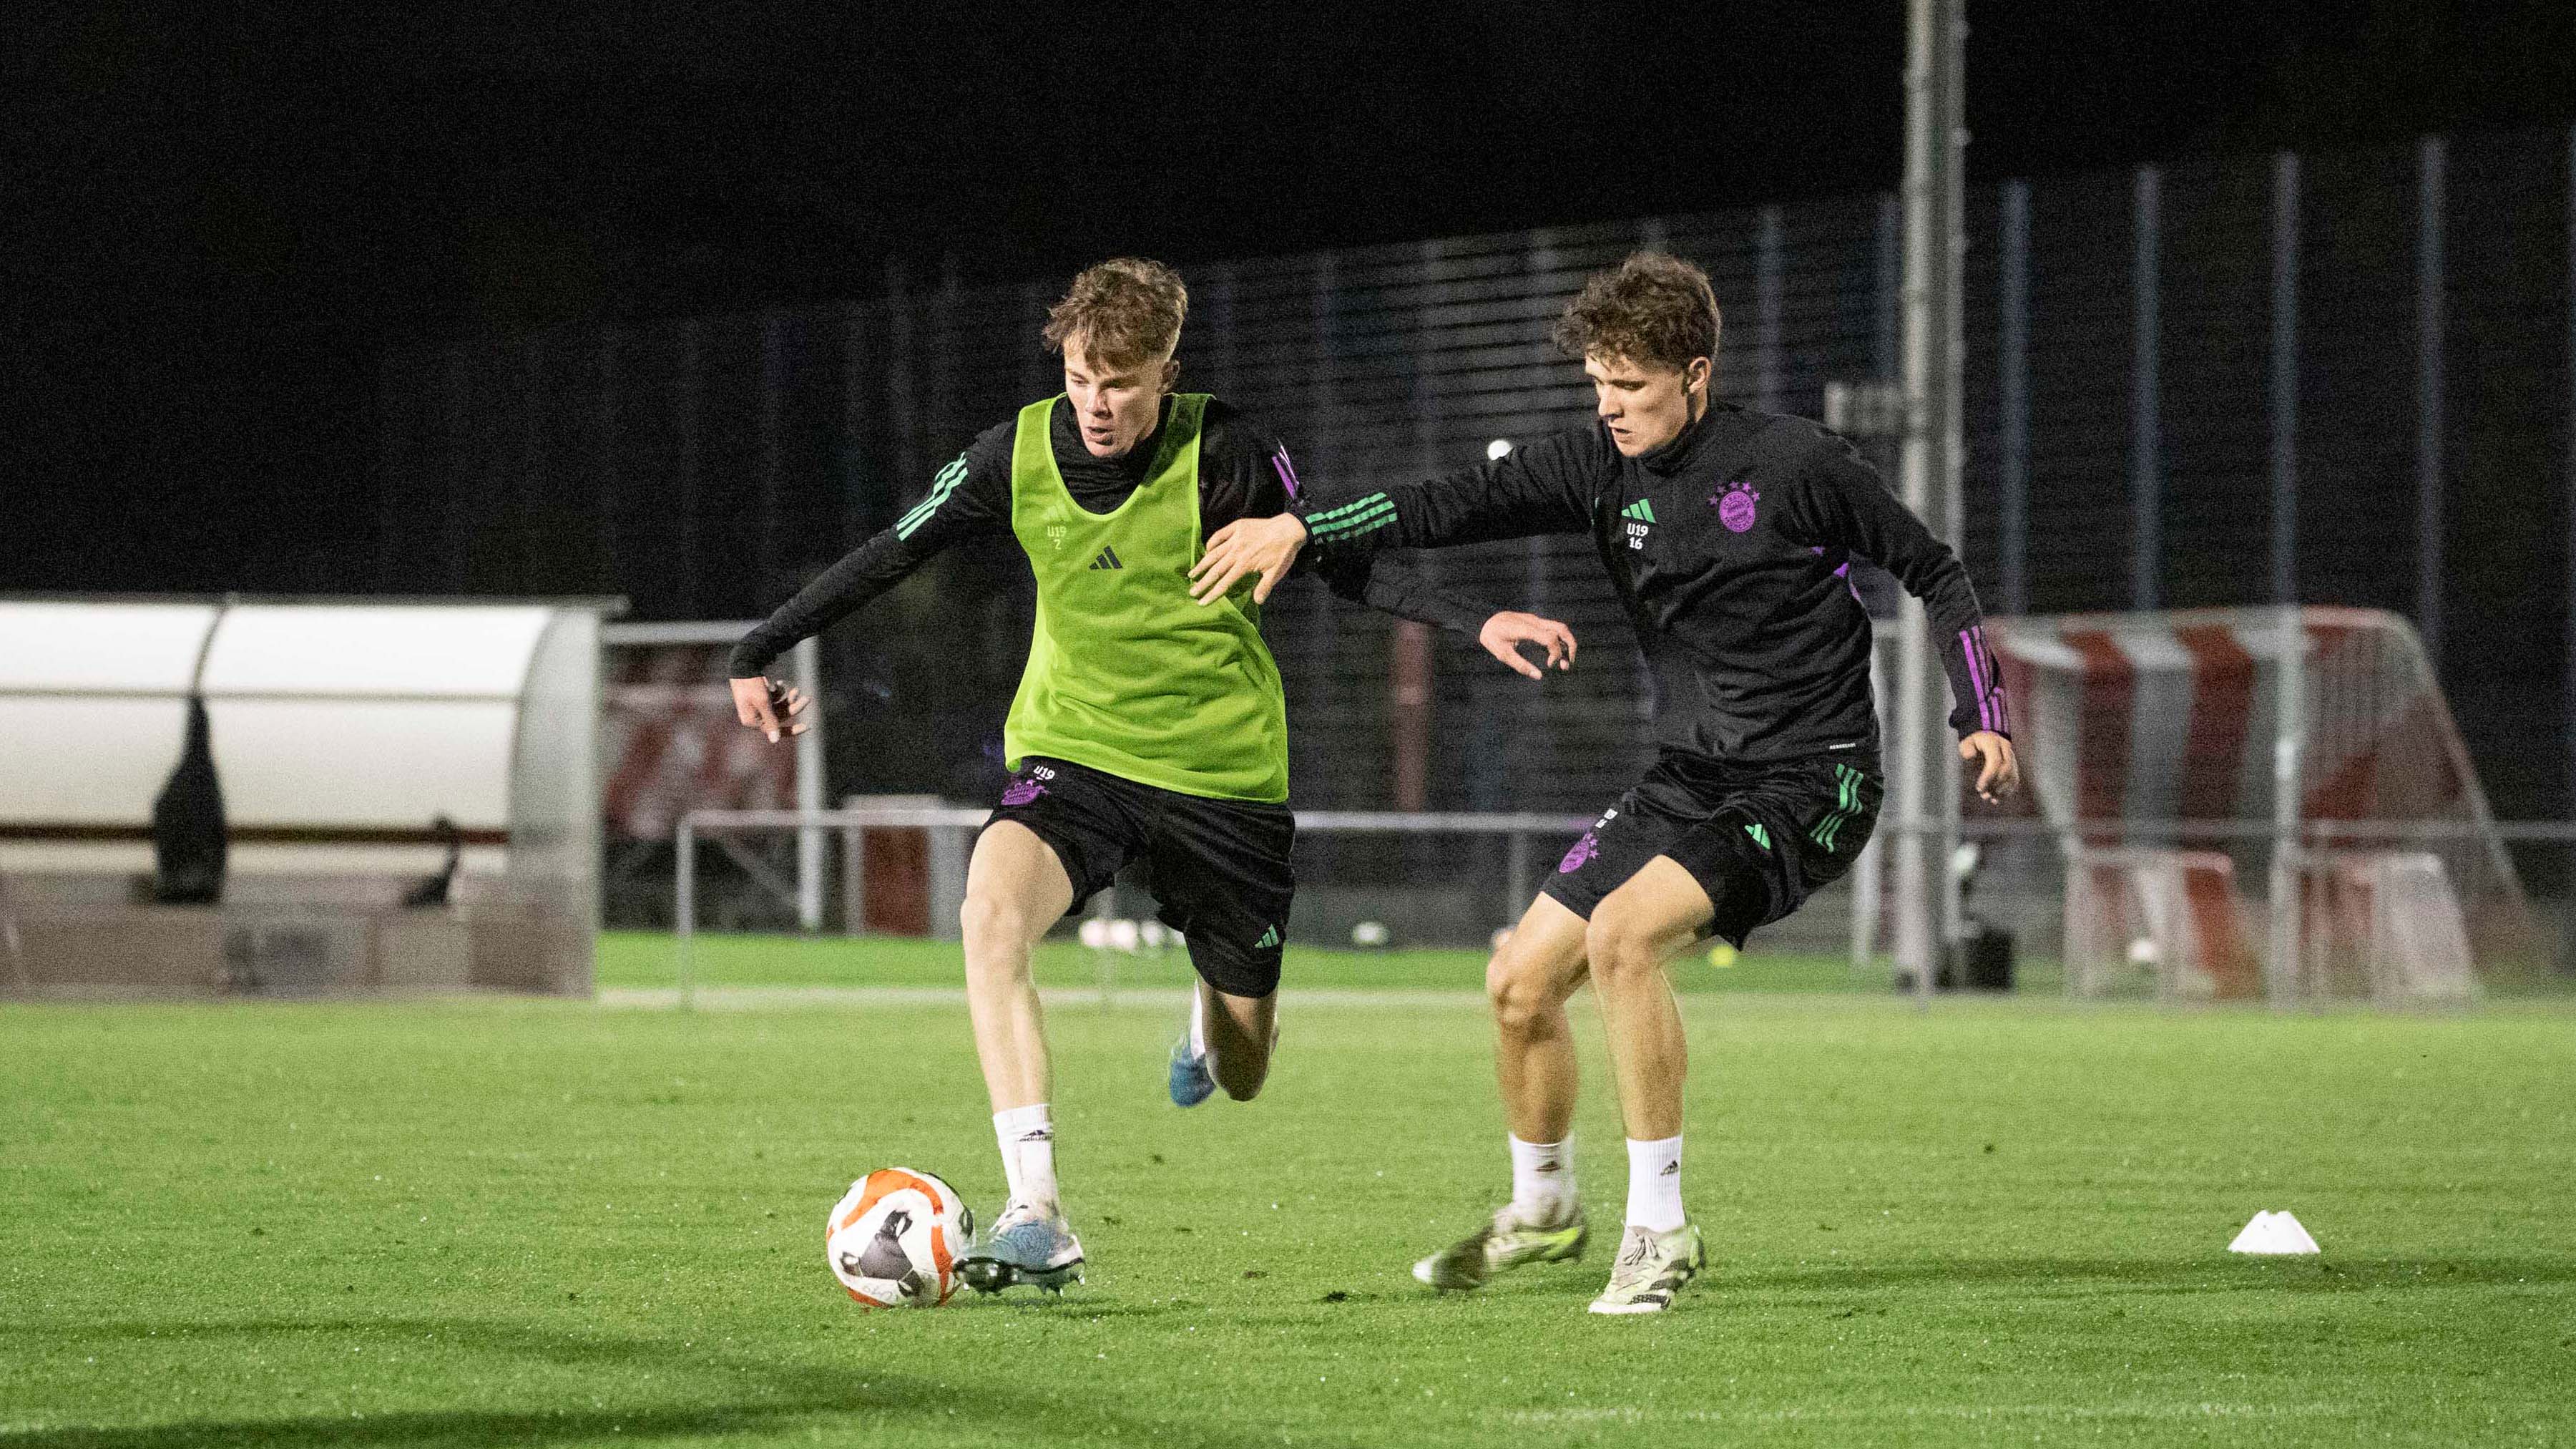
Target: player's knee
1521, 998
991, 918
1618, 945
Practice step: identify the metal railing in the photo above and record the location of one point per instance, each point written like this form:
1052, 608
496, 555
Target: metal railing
1520, 864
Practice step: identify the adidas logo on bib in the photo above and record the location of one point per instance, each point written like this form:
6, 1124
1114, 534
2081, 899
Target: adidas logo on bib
1108, 560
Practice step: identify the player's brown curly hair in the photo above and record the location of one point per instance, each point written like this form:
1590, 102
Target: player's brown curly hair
1128, 310
1654, 308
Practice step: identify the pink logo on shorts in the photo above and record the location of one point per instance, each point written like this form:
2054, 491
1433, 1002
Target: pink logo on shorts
1735, 505
1583, 851
1021, 792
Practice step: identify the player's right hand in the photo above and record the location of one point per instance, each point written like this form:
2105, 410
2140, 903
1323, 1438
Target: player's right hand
760, 703
1262, 546
1505, 633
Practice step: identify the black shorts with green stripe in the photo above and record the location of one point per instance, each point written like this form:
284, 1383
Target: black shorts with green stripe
1759, 838
1218, 870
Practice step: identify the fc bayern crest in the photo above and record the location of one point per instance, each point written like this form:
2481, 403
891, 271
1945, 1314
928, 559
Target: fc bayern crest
1735, 506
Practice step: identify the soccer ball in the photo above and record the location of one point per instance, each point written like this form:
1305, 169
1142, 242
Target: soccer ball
894, 1239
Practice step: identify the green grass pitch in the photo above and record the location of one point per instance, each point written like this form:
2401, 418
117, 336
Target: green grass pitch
544, 1223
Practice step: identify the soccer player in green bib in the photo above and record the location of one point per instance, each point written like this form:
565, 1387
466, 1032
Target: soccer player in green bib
1149, 727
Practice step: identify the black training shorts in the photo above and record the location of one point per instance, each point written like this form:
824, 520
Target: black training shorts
1758, 838
1218, 869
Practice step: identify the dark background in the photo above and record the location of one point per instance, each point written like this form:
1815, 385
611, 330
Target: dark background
221, 218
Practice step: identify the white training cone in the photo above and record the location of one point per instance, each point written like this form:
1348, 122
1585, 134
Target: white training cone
2273, 1233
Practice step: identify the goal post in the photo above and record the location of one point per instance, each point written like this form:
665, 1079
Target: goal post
2178, 756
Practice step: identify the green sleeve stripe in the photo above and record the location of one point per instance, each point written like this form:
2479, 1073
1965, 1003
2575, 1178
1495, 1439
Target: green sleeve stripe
1343, 532
940, 487
1377, 517
1330, 514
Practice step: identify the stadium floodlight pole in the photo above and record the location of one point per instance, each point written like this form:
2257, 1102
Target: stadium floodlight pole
1935, 76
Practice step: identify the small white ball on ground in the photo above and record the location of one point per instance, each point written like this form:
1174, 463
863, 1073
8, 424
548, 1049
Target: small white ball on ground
2142, 951
1095, 934
1155, 934
1123, 935
1369, 934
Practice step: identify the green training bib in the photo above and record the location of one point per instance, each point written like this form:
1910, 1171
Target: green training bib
1128, 674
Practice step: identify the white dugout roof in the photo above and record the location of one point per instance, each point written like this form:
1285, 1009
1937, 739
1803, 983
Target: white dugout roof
340, 732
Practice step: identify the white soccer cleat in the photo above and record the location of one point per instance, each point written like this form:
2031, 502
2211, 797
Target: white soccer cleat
1652, 1268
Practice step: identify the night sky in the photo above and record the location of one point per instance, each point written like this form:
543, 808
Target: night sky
223, 218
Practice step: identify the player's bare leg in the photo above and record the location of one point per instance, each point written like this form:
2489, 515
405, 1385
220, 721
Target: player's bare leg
1529, 980
1237, 1033
1532, 975
1015, 890
1659, 912
1633, 932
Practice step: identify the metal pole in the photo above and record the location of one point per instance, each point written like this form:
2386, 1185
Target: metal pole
2431, 163
2146, 461
809, 787
1517, 871
1869, 870
2291, 688
2012, 368
684, 923
2285, 378
2571, 465
1933, 76
854, 880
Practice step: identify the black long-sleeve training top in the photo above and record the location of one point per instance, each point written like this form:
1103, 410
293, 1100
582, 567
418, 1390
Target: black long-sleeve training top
1730, 549
1244, 472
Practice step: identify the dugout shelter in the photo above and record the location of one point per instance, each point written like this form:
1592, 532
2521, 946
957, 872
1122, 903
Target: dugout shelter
408, 795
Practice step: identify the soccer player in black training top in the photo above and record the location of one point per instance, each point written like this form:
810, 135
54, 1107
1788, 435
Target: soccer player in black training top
1728, 534
1147, 728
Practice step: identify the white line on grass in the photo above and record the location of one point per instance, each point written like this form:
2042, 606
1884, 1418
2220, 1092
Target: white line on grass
762, 998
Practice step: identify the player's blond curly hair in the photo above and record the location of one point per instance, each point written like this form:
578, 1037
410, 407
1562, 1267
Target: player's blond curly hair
1127, 310
1654, 309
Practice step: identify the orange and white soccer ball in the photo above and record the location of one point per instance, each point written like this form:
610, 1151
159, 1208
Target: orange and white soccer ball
894, 1239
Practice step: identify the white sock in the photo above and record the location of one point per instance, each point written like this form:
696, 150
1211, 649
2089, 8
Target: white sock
1542, 1181
1655, 1184
1027, 1139
1198, 1026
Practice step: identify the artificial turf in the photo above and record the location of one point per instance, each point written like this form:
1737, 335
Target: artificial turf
646, 960
548, 1223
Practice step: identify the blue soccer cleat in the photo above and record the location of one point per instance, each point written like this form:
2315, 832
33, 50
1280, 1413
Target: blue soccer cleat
1190, 1082
1029, 1245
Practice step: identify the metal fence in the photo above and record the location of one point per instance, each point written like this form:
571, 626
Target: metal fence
2343, 378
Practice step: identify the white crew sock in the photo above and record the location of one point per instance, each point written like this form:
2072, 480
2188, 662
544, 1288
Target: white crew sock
1543, 1181
1655, 1184
1027, 1139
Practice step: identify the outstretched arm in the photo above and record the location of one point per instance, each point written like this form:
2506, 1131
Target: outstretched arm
1255, 483
1839, 503
968, 497
1544, 488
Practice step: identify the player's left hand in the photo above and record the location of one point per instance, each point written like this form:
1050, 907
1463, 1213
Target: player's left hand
1264, 546
1999, 772
766, 705
1505, 633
